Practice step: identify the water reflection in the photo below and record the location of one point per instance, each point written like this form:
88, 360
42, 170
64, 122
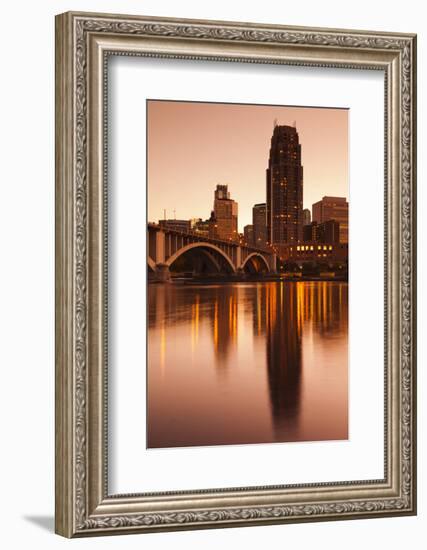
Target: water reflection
283, 350
247, 363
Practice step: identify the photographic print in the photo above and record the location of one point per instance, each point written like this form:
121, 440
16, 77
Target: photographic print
247, 274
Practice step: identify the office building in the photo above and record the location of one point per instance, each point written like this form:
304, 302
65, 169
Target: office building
333, 208
284, 187
248, 234
326, 232
259, 222
225, 215
202, 228
176, 225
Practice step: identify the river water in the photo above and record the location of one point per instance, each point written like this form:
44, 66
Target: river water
238, 363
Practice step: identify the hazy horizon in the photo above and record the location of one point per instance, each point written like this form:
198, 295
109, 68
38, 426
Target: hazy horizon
192, 147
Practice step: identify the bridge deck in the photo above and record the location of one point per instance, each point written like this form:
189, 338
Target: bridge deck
203, 238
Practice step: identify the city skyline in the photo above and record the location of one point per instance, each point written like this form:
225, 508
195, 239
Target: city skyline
255, 322
186, 143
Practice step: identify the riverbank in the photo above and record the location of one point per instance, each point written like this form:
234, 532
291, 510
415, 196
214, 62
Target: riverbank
252, 279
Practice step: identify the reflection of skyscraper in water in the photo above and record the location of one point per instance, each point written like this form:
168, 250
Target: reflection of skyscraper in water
283, 341
224, 323
290, 309
326, 305
259, 312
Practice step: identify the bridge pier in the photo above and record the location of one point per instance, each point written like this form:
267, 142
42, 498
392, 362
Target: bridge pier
160, 247
162, 273
272, 260
238, 257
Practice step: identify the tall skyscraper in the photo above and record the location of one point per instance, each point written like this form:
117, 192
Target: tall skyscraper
333, 208
284, 187
259, 222
306, 216
225, 215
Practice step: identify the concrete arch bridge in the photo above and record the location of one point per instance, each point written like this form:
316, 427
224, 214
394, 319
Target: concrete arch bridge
170, 250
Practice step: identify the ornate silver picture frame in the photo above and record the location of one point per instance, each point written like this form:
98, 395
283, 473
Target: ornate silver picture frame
84, 505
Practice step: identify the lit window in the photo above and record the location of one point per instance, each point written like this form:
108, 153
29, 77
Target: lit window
330, 248
325, 248
297, 248
319, 248
311, 247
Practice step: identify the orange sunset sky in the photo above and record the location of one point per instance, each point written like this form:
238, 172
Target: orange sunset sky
192, 147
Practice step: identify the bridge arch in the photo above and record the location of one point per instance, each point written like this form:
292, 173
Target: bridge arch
255, 255
203, 245
211, 258
151, 263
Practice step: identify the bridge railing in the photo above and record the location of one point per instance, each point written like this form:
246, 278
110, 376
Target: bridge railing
193, 233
